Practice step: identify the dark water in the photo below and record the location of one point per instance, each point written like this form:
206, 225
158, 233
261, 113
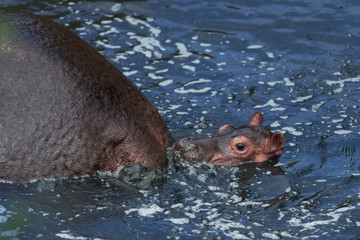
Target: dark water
203, 64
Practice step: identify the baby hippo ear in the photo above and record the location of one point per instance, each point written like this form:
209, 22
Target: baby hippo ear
256, 119
227, 128
277, 142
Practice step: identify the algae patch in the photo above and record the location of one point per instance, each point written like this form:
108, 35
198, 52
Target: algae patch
6, 29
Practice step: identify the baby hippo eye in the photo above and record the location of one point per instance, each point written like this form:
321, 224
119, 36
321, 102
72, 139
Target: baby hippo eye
240, 146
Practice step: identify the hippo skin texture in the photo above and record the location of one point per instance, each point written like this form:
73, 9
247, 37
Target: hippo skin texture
66, 111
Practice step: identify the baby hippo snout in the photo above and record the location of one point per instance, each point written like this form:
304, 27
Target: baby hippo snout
186, 144
190, 150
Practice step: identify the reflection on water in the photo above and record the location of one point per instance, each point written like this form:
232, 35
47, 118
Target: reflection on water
203, 64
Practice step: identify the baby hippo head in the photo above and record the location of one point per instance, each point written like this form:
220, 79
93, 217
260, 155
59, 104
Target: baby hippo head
234, 146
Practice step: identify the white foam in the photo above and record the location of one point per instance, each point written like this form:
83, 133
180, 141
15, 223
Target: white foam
273, 83
182, 113
111, 30
278, 109
315, 107
154, 76
270, 103
130, 73
343, 132
106, 45
254, 47
178, 220
305, 220
337, 120
149, 67
249, 203
174, 106
146, 210
183, 91
183, 52
106, 22
236, 235
287, 235
200, 80
135, 21
116, 7
188, 67
302, 99
270, 235
162, 70
166, 83
205, 44
321, 180
178, 205
275, 124
270, 55
214, 188
341, 83
292, 131
147, 46
10, 233
3, 219
288, 82
67, 235
228, 227
337, 74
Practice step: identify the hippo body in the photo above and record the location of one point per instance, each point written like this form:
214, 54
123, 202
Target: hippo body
65, 110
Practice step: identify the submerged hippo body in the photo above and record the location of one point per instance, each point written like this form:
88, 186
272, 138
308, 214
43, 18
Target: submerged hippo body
234, 146
65, 110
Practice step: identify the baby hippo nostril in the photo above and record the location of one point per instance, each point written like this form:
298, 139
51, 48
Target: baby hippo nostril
182, 143
188, 150
191, 146
191, 150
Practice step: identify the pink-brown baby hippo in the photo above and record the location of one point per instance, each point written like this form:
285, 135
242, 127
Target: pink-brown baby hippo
233, 146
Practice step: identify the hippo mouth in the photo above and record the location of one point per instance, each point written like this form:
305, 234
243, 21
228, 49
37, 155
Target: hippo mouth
231, 162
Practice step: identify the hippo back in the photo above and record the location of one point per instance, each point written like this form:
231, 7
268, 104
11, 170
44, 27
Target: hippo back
65, 110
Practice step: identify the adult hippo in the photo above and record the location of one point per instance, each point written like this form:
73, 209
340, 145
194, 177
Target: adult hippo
66, 111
